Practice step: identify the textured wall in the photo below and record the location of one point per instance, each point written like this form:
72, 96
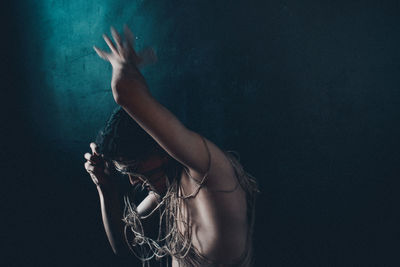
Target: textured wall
306, 91
75, 82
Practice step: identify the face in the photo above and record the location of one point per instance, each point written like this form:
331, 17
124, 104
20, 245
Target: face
151, 168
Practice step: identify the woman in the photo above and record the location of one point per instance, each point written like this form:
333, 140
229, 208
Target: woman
204, 199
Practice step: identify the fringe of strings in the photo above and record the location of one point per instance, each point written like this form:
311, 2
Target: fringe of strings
175, 242
169, 241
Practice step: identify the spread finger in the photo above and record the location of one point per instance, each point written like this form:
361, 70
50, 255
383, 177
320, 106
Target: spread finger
117, 39
110, 44
101, 53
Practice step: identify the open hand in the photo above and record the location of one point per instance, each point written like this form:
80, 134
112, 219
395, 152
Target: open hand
126, 77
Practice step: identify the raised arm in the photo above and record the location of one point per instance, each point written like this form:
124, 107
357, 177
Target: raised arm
217, 215
130, 91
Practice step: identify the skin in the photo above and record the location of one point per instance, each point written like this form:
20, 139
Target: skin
219, 222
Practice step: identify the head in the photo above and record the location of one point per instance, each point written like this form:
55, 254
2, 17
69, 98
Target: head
131, 150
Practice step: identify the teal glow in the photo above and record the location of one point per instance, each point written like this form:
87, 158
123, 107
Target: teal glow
76, 82
71, 96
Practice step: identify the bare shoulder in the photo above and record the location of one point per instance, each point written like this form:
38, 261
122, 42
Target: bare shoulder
221, 194
220, 175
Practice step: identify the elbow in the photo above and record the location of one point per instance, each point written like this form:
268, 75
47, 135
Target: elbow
119, 99
117, 251
119, 94
121, 253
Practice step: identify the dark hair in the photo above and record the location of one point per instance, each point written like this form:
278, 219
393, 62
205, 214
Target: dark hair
122, 137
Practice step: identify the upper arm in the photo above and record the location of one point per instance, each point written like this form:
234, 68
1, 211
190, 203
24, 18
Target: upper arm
179, 142
198, 154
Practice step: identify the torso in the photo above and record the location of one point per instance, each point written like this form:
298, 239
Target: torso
220, 215
218, 219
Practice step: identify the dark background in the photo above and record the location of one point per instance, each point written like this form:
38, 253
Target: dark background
306, 91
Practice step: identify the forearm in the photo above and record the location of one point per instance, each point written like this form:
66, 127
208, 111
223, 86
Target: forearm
111, 211
148, 204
